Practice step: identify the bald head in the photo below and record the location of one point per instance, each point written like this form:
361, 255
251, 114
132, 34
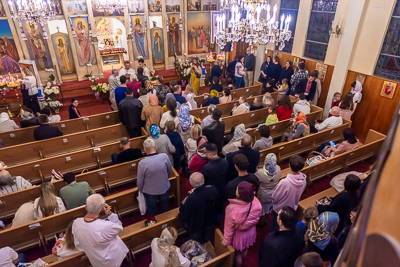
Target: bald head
246, 141
196, 179
335, 111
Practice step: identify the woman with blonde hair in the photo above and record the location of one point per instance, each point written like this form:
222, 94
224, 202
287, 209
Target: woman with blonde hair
268, 101
164, 252
191, 144
196, 75
47, 203
188, 91
65, 246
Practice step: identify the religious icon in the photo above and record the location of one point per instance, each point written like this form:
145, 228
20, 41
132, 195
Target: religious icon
173, 6
174, 36
199, 33
108, 12
76, 7
135, 6
209, 5
2, 11
296, 61
322, 69
361, 78
388, 89
85, 50
193, 5
157, 45
63, 52
140, 42
8, 51
37, 46
155, 5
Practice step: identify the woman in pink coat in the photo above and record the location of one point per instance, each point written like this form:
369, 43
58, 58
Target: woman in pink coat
241, 217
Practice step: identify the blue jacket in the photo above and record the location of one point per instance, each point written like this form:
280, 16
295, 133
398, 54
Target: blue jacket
119, 94
177, 142
180, 98
211, 100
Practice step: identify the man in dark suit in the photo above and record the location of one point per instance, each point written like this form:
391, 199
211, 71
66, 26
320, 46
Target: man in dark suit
129, 112
249, 67
216, 130
45, 130
308, 87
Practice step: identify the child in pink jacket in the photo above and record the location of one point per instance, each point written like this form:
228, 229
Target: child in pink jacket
241, 217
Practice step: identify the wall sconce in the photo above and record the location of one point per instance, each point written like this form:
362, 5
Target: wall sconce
336, 31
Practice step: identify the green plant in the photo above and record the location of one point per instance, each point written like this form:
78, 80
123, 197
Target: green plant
52, 78
88, 75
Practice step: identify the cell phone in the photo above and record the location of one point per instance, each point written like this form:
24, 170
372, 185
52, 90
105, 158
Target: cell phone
333, 144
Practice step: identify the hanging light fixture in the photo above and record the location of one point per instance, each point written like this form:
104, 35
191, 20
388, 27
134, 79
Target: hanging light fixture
32, 11
110, 6
240, 20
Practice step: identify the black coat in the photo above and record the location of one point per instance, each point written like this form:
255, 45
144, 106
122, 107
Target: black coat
286, 74
275, 71
215, 72
231, 187
198, 210
129, 154
29, 123
231, 67
249, 62
215, 133
46, 131
301, 88
130, 111
280, 249
214, 173
72, 114
253, 156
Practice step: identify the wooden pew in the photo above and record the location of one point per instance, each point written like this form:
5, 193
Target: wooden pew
285, 150
40, 170
277, 129
235, 93
369, 149
99, 180
138, 238
249, 119
309, 202
27, 152
28, 235
25, 135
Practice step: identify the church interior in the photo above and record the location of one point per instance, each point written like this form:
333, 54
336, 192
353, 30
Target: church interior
206, 53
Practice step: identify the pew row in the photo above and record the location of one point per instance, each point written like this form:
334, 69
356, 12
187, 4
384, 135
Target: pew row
40, 170
331, 165
277, 129
138, 238
235, 93
25, 135
28, 235
285, 150
27, 152
101, 180
309, 202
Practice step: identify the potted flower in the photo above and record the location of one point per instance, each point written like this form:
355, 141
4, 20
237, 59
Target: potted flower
101, 88
55, 105
51, 91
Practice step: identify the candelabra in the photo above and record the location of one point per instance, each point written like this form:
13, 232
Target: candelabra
245, 24
336, 31
110, 6
32, 11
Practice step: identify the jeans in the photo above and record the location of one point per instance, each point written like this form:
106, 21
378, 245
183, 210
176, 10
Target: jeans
239, 82
21, 258
151, 202
292, 93
114, 158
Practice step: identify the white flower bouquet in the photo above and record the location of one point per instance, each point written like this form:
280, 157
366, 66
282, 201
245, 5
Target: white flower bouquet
55, 105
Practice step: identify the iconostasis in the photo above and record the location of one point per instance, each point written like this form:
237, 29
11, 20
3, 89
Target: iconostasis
84, 38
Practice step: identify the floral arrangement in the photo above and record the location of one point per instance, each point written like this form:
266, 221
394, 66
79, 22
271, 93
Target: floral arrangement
185, 69
55, 105
221, 57
100, 88
152, 75
51, 91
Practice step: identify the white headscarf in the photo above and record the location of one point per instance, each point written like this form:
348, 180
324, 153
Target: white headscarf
356, 91
4, 117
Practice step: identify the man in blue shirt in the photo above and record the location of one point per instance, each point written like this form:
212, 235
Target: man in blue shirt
177, 94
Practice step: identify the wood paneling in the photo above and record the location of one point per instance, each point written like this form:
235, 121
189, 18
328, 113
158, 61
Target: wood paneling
310, 66
375, 111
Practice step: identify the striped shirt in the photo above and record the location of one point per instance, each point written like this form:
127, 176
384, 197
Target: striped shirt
20, 184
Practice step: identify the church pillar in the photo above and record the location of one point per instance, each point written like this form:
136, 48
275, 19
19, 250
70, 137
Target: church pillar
350, 30
260, 55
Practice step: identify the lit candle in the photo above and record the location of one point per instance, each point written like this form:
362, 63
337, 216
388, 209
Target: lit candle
223, 21
222, 3
282, 19
340, 24
10, 4
275, 9
268, 9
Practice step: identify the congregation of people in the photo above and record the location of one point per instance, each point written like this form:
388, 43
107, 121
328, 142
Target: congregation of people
227, 185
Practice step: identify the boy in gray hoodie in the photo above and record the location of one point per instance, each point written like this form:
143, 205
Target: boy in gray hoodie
265, 141
301, 106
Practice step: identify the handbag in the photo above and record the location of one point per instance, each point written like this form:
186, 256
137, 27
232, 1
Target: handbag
142, 203
314, 159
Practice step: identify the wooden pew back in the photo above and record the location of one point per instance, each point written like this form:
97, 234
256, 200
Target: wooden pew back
249, 119
25, 135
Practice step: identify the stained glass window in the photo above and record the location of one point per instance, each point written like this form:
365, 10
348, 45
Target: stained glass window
388, 65
289, 7
322, 15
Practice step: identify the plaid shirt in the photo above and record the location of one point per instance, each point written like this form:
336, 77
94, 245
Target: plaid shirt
297, 77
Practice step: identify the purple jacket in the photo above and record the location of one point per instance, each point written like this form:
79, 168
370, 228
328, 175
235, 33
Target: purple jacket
288, 191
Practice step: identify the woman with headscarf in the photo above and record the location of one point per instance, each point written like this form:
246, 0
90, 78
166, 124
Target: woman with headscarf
212, 99
171, 114
6, 124
199, 159
241, 217
184, 122
170, 95
268, 175
300, 128
164, 253
319, 237
162, 142
152, 113
234, 144
264, 71
356, 89
190, 101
